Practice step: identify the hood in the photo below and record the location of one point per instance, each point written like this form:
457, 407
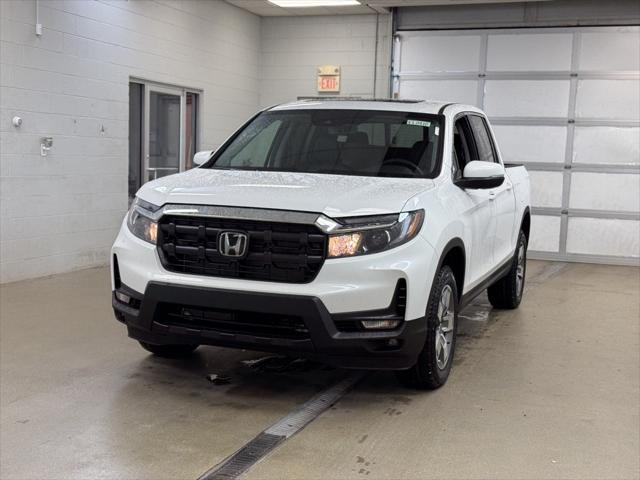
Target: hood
333, 195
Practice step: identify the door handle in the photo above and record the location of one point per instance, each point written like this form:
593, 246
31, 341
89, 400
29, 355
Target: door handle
492, 196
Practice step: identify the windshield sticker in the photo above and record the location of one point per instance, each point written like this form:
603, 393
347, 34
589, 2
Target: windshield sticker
419, 123
437, 131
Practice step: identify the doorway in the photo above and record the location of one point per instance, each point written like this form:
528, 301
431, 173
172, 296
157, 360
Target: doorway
163, 131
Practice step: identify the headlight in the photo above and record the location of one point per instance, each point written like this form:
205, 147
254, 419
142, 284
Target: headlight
141, 221
374, 234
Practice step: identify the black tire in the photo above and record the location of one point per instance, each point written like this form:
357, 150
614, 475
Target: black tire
506, 293
169, 351
427, 374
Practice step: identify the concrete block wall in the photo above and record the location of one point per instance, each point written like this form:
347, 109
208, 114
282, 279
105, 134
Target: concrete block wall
62, 212
293, 47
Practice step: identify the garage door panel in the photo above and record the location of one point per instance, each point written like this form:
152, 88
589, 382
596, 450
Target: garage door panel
534, 52
605, 191
433, 53
527, 98
611, 99
546, 189
531, 143
462, 91
545, 233
607, 145
610, 51
603, 236
563, 101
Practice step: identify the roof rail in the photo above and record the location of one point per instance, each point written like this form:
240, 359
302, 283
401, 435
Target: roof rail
357, 99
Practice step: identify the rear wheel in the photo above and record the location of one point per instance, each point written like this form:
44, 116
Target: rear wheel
506, 293
434, 363
169, 351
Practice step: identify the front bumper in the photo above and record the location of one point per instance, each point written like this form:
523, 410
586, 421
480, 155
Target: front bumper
343, 284
146, 321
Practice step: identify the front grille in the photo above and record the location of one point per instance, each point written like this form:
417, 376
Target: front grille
267, 325
277, 252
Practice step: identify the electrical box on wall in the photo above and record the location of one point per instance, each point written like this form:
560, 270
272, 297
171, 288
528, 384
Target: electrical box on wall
329, 78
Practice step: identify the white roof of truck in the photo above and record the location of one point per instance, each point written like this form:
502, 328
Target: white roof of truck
417, 106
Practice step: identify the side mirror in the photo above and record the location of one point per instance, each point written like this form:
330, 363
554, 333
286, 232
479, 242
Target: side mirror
201, 157
478, 174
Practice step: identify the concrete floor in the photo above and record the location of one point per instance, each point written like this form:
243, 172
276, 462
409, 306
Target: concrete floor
551, 390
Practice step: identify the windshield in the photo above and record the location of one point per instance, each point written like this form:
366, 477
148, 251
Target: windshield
343, 142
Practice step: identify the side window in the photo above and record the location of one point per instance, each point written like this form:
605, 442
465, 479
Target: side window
464, 149
483, 138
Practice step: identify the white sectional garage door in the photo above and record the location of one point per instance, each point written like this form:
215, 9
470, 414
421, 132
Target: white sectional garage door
563, 101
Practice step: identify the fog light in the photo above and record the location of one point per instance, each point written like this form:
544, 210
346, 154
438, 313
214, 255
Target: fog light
122, 297
380, 324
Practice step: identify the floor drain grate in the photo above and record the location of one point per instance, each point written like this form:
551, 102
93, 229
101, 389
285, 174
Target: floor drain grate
269, 439
244, 458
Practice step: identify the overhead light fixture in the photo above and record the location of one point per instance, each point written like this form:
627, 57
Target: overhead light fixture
314, 3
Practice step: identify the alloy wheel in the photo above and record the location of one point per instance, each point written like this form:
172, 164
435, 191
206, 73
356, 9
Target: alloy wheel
520, 270
444, 330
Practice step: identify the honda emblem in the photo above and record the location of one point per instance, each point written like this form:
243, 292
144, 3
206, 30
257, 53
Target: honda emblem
233, 244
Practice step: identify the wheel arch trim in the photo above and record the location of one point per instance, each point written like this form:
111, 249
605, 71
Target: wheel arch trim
454, 243
526, 215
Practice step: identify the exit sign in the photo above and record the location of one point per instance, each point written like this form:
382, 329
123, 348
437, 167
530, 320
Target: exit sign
329, 78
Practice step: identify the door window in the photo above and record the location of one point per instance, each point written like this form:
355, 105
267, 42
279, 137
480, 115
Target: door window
464, 147
164, 135
483, 139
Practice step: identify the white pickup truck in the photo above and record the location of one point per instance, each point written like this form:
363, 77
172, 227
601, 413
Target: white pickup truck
347, 231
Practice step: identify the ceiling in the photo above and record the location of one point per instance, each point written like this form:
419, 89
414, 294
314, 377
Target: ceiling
266, 9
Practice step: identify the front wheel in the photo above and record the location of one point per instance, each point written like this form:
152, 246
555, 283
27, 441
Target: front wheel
434, 363
506, 293
169, 351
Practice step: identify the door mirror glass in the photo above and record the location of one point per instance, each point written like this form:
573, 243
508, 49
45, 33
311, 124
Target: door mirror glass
479, 174
201, 157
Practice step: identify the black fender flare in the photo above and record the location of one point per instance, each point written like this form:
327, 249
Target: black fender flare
527, 212
451, 244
